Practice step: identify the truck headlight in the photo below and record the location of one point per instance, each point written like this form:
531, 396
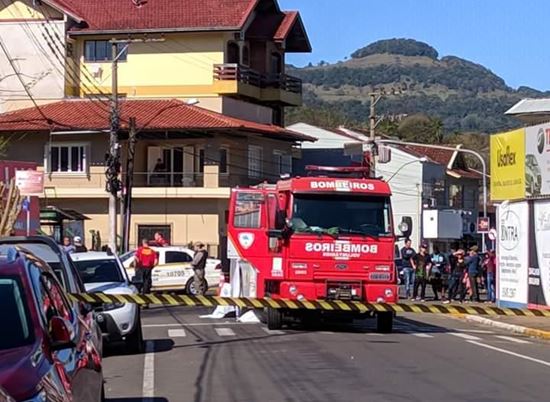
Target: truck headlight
112, 306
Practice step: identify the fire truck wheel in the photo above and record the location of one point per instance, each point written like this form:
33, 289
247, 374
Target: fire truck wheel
274, 318
384, 322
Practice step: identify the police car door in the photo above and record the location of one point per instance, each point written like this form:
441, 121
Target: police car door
174, 271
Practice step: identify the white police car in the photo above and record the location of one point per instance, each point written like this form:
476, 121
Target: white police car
103, 272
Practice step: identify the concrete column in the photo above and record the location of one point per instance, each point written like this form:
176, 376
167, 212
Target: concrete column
211, 176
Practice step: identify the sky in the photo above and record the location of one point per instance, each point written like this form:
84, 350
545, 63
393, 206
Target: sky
509, 37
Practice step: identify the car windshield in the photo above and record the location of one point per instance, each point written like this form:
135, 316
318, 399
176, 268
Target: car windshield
13, 315
95, 271
341, 214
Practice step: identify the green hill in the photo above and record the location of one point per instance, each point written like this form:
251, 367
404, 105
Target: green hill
465, 96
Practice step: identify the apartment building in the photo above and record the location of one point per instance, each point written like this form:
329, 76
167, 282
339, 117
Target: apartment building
206, 82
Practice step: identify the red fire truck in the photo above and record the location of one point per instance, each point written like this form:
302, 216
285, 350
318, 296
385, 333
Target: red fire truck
323, 237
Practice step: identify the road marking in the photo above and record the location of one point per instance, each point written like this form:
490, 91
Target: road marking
176, 333
272, 331
197, 324
421, 335
373, 334
148, 390
225, 332
508, 352
474, 331
326, 332
511, 339
466, 336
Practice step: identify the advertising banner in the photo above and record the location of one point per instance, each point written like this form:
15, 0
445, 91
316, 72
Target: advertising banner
512, 254
539, 264
30, 182
508, 165
537, 160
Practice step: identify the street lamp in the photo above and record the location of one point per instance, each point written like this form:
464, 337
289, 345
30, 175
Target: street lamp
463, 150
422, 159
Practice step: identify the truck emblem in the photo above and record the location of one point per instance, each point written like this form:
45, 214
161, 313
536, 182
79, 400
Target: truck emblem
246, 240
341, 266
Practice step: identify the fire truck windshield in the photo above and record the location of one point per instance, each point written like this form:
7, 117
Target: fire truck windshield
341, 214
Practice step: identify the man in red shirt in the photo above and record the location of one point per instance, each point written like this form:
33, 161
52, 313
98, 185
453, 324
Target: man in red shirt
145, 260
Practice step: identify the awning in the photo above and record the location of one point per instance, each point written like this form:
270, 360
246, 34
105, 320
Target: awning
53, 215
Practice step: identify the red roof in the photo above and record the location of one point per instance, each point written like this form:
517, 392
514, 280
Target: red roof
286, 25
117, 15
151, 115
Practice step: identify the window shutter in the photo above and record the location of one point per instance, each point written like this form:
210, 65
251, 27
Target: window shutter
47, 160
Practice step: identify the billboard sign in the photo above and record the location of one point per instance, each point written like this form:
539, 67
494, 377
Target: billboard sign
539, 264
508, 165
537, 160
513, 254
29, 182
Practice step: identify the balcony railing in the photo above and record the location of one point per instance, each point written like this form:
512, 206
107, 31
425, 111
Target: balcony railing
245, 75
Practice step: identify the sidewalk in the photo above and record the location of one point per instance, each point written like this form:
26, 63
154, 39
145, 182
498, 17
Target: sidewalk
538, 327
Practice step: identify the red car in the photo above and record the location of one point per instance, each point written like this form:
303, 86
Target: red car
46, 351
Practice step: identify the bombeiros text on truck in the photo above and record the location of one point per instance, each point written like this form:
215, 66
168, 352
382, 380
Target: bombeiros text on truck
327, 236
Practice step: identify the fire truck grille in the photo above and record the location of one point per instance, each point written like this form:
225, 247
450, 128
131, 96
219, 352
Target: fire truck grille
343, 290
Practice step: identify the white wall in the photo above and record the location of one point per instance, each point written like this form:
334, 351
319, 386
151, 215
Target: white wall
406, 187
41, 70
325, 139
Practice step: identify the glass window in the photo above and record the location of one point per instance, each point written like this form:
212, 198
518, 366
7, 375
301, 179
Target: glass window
148, 232
222, 160
283, 162
67, 158
254, 161
100, 50
96, 271
248, 208
14, 315
342, 214
173, 257
455, 196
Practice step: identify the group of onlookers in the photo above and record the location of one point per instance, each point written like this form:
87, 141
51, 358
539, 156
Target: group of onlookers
452, 275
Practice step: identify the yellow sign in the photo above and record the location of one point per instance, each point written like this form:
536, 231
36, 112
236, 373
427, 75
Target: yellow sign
508, 165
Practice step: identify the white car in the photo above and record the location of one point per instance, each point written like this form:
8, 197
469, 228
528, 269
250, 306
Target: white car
103, 272
174, 271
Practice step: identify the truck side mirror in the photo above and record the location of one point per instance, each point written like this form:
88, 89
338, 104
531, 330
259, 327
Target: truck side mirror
406, 226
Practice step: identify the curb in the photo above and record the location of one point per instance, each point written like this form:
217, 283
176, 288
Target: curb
518, 329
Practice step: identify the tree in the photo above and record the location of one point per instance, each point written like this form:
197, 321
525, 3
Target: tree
421, 128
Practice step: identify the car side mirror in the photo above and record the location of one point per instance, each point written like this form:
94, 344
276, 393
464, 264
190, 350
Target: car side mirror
62, 334
405, 227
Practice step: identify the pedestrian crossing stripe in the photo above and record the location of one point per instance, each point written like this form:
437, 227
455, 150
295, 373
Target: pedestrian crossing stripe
167, 299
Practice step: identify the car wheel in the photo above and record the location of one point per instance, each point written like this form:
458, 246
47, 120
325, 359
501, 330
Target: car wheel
190, 287
274, 318
384, 322
134, 340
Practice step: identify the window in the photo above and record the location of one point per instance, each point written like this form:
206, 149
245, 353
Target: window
174, 257
283, 162
222, 160
248, 208
96, 271
233, 53
148, 232
254, 161
246, 56
13, 315
100, 50
455, 196
67, 158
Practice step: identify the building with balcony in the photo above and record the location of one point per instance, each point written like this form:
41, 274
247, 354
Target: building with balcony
226, 57
186, 160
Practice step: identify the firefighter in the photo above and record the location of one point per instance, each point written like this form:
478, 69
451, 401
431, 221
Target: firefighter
145, 261
199, 265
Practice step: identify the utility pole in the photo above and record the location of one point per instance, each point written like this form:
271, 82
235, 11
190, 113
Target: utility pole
113, 185
374, 99
113, 158
129, 182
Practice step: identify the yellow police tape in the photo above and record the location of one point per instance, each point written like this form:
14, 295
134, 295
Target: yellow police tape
326, 305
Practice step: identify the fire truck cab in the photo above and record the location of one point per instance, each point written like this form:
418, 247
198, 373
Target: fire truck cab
314, 238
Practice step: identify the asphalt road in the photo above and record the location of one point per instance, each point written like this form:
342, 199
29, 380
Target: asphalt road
427, 358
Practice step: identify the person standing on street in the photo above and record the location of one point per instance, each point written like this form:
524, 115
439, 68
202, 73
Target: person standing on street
438, 264
458, 269
472, 263
199, 265
145, 261
67, 245
79, 247
490, 269
422, 264
407, 254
